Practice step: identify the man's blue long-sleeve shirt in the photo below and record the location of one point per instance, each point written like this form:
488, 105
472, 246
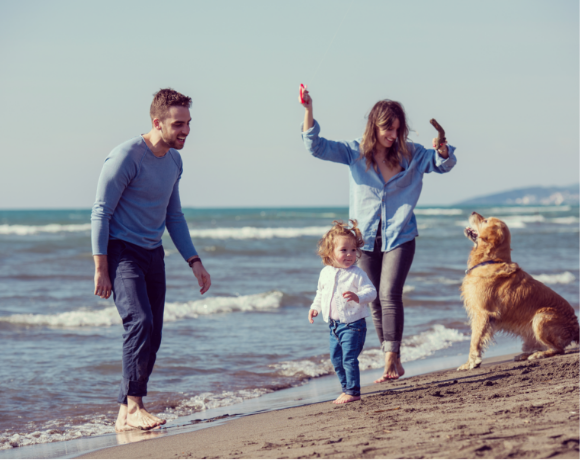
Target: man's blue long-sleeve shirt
137, 197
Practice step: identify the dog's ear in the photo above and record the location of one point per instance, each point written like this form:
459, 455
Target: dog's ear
497, 236
493, 235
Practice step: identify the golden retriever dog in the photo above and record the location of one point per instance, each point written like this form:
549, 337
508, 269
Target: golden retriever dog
500, 296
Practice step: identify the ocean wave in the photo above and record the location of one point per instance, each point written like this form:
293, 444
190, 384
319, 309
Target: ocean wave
100, 424
521, 221
208, 400
24, 230
413, 348
438, 212
174, 311
303, 368
559, 278
570, 220
513, 221
437, 280
525, 209
416, 347
258, 233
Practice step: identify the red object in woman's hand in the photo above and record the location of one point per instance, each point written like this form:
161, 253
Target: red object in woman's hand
302, 89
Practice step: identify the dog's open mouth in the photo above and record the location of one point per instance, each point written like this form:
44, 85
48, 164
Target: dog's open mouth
470, 233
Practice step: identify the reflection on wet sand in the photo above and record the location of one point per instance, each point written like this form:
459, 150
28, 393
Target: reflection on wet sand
137, 435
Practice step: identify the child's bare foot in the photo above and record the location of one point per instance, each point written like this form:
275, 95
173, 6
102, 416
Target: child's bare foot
393, 368
344, 398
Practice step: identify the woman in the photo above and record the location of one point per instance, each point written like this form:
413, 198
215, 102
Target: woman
386, 177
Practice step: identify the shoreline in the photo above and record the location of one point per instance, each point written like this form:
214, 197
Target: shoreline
503, 409
315, 390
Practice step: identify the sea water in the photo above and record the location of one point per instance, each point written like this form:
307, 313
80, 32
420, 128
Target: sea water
249, 336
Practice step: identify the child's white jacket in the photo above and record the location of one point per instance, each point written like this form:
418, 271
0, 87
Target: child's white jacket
351, 279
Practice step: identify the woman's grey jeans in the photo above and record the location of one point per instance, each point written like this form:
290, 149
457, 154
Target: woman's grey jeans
388, 272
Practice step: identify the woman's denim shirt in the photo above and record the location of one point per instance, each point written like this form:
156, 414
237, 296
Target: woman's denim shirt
371, 199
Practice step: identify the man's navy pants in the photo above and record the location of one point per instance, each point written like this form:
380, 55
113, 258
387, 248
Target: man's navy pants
138, 279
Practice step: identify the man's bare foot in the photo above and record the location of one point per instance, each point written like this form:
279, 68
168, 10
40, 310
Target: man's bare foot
121, 423
344, 398
136, 416
393, 368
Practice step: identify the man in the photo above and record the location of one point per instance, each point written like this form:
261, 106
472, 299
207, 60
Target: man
137, 197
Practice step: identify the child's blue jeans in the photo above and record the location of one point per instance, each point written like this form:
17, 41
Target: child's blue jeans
346, 343
138, 279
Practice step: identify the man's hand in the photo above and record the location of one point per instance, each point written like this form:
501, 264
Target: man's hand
103, 286
350, 296
203, 278
311, 315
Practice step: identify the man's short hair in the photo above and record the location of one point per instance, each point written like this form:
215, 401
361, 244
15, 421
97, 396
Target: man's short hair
164, 99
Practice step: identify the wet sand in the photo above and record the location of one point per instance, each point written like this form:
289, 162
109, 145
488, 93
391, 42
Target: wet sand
504, 409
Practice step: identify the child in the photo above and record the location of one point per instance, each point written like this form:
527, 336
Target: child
344, 292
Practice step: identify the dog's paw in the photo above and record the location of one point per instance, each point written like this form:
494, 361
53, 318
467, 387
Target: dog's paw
539, 355
471, 364
522, 357
474, 362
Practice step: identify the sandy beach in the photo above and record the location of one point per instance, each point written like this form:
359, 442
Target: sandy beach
504, 409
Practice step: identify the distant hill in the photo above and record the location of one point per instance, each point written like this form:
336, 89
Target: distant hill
531, 196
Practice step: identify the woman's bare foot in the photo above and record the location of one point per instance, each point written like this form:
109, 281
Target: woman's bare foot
344, 398
135, 416
393, 368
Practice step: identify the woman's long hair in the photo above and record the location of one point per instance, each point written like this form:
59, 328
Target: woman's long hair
383, 115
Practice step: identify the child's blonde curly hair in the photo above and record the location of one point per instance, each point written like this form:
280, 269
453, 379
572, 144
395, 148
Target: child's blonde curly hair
339, 228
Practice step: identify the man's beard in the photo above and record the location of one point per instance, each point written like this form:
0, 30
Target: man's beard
173, 144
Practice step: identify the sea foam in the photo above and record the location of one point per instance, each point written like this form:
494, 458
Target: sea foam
208, 400
65, 432
412, 348
416, 347
524, 210
174, 311
513, 221
558, 278
570, 220
246, 233
24, 230
438, 212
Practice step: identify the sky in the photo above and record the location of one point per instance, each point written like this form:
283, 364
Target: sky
77, 79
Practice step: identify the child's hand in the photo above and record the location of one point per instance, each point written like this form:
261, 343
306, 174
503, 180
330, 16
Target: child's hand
311, 315
350, 296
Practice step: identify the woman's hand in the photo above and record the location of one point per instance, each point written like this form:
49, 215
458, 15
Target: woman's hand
441, 150
311, 315
308, 115
350, 296
307, 104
